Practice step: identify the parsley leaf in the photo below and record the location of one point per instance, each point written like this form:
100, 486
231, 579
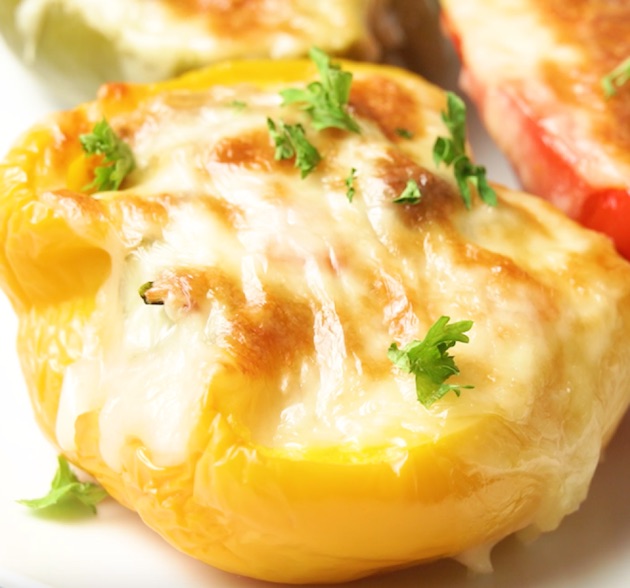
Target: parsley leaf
117, 157
66, 489
350, 192
452, 151
284, 148
612, 81
429, 361
325, 101
410, 195
291, 141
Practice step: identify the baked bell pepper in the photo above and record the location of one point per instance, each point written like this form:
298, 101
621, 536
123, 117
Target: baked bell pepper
210, 340
538, 88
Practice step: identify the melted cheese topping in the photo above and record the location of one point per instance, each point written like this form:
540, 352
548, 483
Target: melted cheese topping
279, 297
250, 403
160, 38
247, 222
551, 64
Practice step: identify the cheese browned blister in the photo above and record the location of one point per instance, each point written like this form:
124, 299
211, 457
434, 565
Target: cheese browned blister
253, 418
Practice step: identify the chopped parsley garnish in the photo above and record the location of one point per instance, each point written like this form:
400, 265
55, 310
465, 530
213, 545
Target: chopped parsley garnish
117, 157
238, 104
67, 490
291, 141
452, 151
612, 81
326, 100
410, 195
142, 291
404, 133
350, 189
429, 362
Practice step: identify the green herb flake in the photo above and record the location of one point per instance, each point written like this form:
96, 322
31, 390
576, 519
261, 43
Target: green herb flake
452, 151
619, 76
429, 362
404, 133
290, 141
67, 490
117, 157
350, 189
410, 195
326, 100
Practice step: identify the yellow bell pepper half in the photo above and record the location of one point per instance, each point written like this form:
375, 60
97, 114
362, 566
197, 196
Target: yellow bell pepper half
466, 472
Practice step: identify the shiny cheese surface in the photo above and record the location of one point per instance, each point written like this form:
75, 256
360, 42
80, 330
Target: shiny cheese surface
250, 413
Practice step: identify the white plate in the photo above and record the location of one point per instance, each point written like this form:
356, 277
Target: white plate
114, 549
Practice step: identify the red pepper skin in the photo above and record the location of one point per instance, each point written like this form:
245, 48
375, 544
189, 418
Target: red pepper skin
543, 162
608, 211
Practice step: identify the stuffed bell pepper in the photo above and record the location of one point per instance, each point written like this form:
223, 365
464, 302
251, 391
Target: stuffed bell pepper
275, 308
552, 91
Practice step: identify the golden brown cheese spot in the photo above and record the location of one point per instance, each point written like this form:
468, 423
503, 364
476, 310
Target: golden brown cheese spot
601, 26
135, 217
262, 338
228, 214
216, 6
437, 196
269, 339
252, 151
599, 30
387, 103
397, 168
234, 17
